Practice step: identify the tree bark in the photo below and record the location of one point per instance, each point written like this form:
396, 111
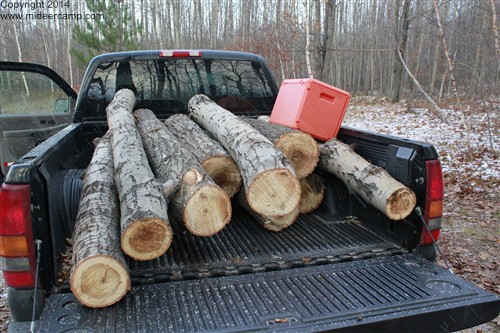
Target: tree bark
268, 177
298, 147
495, 29
371, 182
204, 207
313, 192
308, 39
100, 275
401, 39
211, 155
145, 231
271, 223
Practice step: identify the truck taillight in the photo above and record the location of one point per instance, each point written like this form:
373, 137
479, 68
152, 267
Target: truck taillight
17, 255
433, 212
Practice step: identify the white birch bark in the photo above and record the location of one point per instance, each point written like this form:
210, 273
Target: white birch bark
268, 177
146, 233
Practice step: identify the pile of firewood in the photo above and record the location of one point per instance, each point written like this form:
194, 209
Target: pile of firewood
145, 173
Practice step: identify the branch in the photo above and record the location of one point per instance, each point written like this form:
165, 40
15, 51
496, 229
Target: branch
438, 111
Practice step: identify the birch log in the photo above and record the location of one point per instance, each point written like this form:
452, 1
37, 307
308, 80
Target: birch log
203, 206
313, 192
371, 182
99, 274
211, 155
269, 180
145, 230
299, 148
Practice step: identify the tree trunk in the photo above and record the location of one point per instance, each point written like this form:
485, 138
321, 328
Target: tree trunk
313, 192
146, 233
204, 207
308, 39
494, 26
450, 64
298, 147
99, 276
271, 223
371, 182
268, 177
211, 155
401, 39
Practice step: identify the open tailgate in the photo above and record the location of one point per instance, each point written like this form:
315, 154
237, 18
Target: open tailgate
401, 293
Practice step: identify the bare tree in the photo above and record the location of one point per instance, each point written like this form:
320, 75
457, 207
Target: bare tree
453, 81
401, 39
495, 28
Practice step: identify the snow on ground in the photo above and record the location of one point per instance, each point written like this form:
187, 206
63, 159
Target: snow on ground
450, 140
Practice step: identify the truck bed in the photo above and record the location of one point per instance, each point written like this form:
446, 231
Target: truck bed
243, 246
342, 229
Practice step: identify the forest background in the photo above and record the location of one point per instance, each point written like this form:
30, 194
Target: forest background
351, 44
451, 47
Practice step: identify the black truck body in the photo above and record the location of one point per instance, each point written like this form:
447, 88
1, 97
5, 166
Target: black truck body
345, 267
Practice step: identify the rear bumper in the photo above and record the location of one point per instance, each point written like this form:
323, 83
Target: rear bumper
400, 294
21, 304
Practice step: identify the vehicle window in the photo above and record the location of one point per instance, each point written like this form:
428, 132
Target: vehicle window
31, 94
165, 86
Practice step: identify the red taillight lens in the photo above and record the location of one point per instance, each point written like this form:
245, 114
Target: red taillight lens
428, 238
19, 279
16, 240
180, 53
434, 203
14, 209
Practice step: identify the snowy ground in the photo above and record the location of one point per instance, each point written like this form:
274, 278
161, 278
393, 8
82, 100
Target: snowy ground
450, 140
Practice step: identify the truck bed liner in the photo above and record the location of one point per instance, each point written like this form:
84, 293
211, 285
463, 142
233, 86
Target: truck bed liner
386, 292
245, 247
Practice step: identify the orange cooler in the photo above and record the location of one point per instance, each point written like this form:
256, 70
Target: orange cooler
311, 106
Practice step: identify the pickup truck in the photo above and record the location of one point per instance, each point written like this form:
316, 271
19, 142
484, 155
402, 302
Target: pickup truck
344, 267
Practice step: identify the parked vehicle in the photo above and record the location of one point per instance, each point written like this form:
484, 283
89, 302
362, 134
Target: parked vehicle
345, 267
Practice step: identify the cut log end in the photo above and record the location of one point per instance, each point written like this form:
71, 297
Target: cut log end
275, 192
191, 177
99, 281
208, 211
279, 223
146, 239
313, 192
401, 203
224, 172
301, 150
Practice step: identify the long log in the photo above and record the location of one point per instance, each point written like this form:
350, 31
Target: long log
271, 223
313, 192
99, 274
371, 182
203, 206
269, 180
145, 230
299, 148
211, 155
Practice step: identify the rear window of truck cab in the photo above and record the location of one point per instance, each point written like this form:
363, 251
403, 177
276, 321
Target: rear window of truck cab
166, 85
